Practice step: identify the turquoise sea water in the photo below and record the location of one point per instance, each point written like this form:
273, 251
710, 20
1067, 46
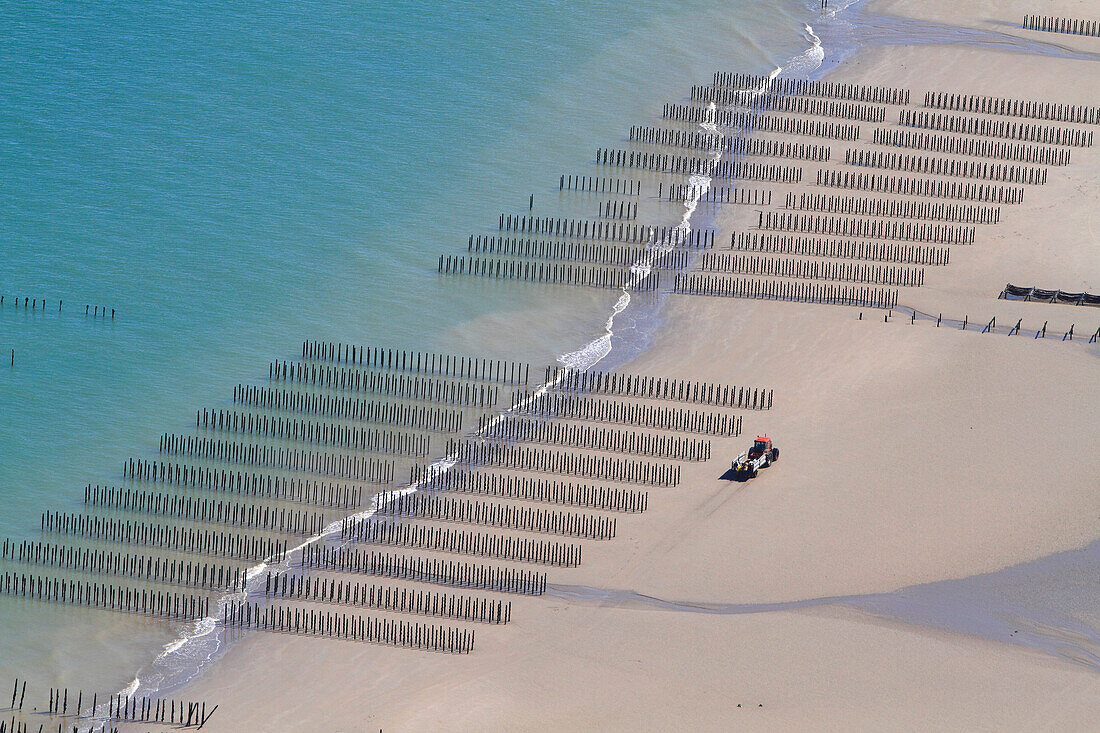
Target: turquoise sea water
234, 179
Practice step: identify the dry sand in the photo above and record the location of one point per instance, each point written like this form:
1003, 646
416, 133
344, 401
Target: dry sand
579, 667
910, 454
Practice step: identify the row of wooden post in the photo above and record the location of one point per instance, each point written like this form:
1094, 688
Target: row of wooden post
839, 248
319, 492
749, 121
720, 194
601, 468
839, 226
644, 386
36, 304
613, 231
691, 165
729, 144
612, 278
766, 102
135, 565
1047, 134
500, 371
928, 187
812, 269
379, 531
349, 627
428, 505
357, 467
588, 252
457, 392
597, 184
420, 569
285, 520
320, 432
167, 536
529, 488
381, 412
1055, 111
513, 428
179, 606
991, 326
813, 88
1053, 24
958, 145
783, 290
926, 165
388, 598
578, 407
626, 210
894, 208
119, 708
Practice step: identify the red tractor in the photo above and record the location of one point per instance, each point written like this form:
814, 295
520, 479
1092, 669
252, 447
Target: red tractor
761, 455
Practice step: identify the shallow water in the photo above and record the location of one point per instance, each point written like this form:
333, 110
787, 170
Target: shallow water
1051, 605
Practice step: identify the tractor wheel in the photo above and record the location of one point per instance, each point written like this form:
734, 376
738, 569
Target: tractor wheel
775, 455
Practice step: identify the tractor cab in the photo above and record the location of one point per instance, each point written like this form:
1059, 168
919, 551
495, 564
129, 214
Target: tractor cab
762, 445
761, 455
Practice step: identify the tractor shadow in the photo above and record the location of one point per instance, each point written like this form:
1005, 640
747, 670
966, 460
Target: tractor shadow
730, 475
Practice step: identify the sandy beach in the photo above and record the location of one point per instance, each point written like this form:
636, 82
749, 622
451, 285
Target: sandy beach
911, 454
